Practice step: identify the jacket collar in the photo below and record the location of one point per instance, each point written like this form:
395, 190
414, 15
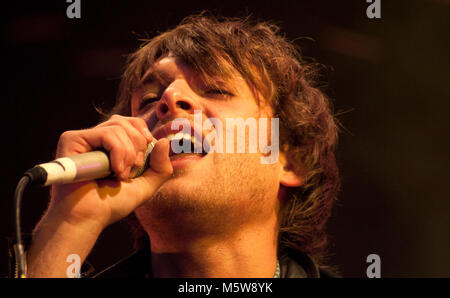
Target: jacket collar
292, 265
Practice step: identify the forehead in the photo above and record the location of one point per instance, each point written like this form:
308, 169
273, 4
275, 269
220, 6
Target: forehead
168, 68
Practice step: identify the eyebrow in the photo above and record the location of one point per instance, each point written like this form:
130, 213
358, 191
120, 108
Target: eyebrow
162, 77
154, 76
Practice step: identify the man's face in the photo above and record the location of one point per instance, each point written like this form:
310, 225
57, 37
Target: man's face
213, 191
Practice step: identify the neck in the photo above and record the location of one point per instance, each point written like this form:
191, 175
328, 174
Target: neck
251, 251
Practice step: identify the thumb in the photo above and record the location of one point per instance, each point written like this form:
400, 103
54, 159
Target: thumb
159, 158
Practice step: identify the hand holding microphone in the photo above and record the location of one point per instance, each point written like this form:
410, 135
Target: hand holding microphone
128, 142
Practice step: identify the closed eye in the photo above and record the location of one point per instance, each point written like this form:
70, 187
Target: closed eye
147, 100
151, 93
218, 92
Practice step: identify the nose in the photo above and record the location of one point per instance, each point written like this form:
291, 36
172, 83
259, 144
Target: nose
178, 98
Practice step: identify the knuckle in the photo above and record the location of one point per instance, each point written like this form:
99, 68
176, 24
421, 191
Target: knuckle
132, 157
115, 130
139, 142
111, 142
116, 117
65, 139
67, 135
164, 172
130, 151
115, 120
168, 171
139, 122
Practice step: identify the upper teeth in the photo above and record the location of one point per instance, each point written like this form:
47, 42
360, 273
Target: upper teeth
183, 136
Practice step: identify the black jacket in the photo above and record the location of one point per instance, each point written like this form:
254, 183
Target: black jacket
137, 265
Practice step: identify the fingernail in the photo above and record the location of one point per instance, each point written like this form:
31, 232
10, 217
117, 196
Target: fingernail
121, 166
147, 134
126, 173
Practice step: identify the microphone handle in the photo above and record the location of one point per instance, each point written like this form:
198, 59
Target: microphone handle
81, 167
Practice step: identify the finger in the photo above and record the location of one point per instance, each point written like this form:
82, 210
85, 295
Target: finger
142, 135
126, 158
159, 171
111, 138
142, 127
138, 123
72, 142
135, 129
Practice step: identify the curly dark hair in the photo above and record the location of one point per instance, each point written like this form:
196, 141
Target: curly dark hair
274, 66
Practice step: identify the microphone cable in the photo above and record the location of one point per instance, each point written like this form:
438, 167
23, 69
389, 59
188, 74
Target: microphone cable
21, 266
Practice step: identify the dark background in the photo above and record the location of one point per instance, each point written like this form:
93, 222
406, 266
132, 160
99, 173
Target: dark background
388, 79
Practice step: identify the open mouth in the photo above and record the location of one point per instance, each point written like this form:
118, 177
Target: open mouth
182, 144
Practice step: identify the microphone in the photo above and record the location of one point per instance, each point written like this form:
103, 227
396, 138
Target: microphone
81, 167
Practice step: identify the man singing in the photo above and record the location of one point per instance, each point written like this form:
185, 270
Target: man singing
216, 211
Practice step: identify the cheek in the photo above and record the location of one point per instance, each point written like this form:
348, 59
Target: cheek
244, 110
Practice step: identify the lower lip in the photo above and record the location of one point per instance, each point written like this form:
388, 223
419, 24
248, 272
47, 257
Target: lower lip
181, 162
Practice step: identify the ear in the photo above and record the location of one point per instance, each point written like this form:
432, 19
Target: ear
289, 176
